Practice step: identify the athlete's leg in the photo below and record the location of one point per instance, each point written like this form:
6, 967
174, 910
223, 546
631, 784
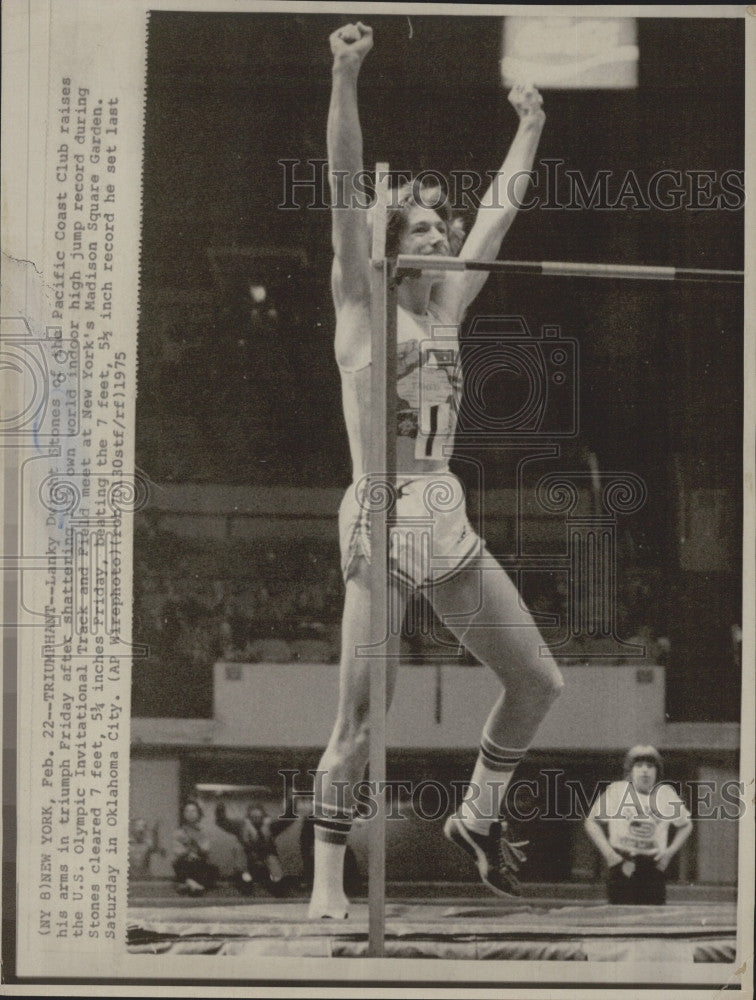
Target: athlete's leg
343, 762
501, 633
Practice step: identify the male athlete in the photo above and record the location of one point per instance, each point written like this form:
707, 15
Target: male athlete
451, 562
630, 823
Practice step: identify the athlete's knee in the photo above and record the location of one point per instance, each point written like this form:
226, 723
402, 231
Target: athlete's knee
545, 678
553, 679
557, 683
351, 737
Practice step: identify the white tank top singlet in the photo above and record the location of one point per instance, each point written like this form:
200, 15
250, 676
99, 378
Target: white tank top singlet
428, 387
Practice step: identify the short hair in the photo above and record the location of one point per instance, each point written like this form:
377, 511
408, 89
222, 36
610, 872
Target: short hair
640, 752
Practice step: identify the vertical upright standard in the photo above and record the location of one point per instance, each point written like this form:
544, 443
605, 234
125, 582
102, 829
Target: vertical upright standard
384, 644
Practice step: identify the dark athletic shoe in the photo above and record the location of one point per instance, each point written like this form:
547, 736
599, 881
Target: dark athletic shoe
496, 858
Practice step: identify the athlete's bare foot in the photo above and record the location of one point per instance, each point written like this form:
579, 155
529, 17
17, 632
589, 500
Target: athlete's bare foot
329, 909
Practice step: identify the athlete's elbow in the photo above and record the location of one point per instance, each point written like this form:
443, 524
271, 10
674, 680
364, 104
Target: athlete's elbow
350, 353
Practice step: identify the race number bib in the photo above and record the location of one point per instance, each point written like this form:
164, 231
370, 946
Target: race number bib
429, 387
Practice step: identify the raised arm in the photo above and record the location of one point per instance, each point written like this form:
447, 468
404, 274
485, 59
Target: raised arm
232, 826
499, 205
349, 223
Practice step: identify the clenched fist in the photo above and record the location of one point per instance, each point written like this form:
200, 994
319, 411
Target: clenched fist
527, 102
351, 43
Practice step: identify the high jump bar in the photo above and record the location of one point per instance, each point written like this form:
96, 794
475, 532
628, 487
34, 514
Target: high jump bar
407, 263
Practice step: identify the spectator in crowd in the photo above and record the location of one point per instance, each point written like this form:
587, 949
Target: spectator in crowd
630, 825
191, 850
256, 833
143, 844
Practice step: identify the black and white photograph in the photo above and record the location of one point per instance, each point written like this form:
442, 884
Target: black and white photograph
393, 495
563, 495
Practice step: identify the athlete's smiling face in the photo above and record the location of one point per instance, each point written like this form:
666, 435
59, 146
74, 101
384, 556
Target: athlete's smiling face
426, 233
